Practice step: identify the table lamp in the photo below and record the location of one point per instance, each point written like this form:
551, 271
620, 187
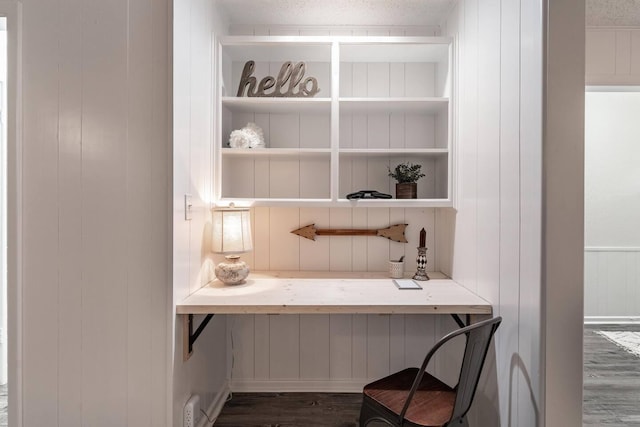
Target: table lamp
232, 236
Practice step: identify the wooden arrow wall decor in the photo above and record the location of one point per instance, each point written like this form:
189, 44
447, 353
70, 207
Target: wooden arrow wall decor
395, 232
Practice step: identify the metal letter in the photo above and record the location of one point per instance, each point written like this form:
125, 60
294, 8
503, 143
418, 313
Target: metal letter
283, 77
314, 87
247, 79
289, 73
266, 83
296, 76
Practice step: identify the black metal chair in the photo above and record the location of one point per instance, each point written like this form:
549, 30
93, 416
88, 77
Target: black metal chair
414, 398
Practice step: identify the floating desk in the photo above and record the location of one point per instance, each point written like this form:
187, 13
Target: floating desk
327, 293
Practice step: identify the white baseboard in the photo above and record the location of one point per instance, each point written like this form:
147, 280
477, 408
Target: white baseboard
216, 406
605, 320
292, 386
611, 249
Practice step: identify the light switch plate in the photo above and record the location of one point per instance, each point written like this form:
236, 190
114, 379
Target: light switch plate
187, 207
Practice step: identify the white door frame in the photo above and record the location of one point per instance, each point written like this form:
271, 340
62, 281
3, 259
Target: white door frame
12, 10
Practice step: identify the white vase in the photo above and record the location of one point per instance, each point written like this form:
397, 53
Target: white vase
233, 272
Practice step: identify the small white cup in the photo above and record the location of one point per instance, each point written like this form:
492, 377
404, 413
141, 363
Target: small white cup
396, 269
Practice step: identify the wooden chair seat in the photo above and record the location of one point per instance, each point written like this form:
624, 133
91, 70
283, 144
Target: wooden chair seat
432, 404
415, 398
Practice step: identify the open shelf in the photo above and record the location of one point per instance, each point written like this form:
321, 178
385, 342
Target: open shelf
284, 152
391, 203
340, 203
382, 101
276, 105
394, 105
393, 152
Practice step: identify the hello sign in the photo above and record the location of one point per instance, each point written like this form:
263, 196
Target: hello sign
289, 82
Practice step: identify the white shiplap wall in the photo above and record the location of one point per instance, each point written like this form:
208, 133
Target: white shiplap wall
611, 284
525, 260
204, 374
95, 214
497, 246
276, 248
486, 244
612, 206
323, 352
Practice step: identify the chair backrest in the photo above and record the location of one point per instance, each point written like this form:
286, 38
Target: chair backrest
477, 345
478, 340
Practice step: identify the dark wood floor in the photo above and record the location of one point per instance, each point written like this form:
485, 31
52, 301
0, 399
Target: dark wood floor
611, 380
3, 406
291, 410
611, 395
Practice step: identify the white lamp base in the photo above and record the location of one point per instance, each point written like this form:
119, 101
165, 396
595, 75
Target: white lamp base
233, 272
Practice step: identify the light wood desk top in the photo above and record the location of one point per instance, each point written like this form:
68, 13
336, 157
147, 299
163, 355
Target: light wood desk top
332, 292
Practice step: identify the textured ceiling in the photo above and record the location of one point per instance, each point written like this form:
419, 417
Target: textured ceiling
336, 12
392, 12
614, 13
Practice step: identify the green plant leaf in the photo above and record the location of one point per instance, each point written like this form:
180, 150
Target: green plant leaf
406, 172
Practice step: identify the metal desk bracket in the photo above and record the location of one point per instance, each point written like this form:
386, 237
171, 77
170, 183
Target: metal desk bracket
460, 322
188, 336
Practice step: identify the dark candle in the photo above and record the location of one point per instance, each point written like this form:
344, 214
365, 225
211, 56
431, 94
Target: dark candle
423, 238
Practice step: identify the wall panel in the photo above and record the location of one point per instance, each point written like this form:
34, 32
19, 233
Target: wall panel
488, 180
612, 56
138, 184
96, 150
160, 217
40, 238
497, 227
526, 365
284, 346
612, 177
205, 373
105, 137
261, 340
509, 205
314, 360
276, 248
325, 352
302, 352
464, 246
611, 284
70, 214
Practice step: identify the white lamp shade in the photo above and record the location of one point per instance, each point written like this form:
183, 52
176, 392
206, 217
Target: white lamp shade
231, 230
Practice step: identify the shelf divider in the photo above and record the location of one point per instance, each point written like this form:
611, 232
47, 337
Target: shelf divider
335, 120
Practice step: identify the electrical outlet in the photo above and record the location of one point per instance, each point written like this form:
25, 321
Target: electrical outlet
192, 412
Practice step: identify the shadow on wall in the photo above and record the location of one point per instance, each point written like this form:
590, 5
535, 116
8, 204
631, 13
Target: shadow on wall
486, 401
518, 364
445, 237
207, 261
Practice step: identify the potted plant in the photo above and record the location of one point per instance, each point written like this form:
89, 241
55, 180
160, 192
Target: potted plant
407, 175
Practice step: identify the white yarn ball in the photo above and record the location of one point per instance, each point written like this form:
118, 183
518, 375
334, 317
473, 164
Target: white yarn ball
238, 139
250, 136
257, 141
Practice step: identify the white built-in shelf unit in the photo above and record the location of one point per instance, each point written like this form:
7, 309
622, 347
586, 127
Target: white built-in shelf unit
382, 101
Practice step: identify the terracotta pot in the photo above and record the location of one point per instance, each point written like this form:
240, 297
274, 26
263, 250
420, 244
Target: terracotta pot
407, 190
